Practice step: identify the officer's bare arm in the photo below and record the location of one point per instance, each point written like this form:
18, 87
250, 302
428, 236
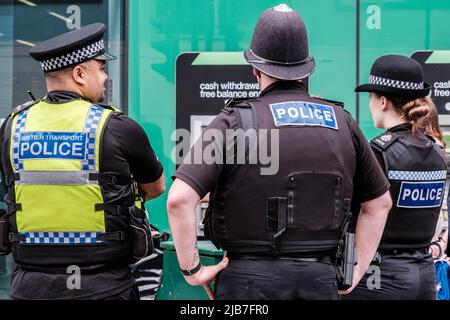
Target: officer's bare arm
155, 189
181, 204
369, 230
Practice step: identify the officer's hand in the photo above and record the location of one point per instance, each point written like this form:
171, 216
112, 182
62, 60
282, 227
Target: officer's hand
357, 276
206, 275
436, 250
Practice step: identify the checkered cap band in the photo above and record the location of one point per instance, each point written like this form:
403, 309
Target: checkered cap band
395, 83
61, 237
417, 175
73, 58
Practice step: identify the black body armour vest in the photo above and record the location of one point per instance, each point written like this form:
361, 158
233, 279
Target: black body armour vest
301, 208
417, 175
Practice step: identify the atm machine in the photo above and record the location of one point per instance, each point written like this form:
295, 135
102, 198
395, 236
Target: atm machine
198, 124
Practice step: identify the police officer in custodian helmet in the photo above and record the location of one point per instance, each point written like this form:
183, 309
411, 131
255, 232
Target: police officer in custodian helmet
416, 168
69, 163
280, 227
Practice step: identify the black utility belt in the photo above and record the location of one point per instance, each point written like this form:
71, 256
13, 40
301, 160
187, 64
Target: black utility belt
301, 257
401, 251
394, 252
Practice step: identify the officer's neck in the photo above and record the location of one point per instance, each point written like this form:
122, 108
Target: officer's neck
266, 81
53, 86
393, 120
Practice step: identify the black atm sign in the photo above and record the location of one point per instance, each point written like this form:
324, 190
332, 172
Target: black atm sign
436, 68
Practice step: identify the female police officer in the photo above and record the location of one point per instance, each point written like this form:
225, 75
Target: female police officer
416, 168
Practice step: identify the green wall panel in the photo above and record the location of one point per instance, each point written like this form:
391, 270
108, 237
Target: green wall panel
399, 27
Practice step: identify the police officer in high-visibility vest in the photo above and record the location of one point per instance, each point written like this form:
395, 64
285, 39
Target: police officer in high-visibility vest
416, 167
279, 221
69, 164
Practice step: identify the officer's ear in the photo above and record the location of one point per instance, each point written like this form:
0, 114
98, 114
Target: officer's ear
79, 74
384, 103
257, 73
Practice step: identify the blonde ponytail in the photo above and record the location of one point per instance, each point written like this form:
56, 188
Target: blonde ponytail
412, 110
415, 110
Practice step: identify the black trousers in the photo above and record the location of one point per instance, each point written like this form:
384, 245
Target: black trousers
129, 294
403, 276
276, 279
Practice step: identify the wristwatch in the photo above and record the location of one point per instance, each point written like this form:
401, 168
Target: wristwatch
189, 273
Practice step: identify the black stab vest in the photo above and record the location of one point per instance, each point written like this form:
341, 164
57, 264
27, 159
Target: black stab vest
417, 175
302, 207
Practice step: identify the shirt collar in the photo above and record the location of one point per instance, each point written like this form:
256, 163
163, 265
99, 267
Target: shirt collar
285, 86
55, 97
401, 127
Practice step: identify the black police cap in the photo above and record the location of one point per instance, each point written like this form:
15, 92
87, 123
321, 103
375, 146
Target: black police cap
396, 75
72, 48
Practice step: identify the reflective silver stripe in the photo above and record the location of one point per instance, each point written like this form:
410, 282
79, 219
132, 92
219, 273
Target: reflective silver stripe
55, 178
417, 175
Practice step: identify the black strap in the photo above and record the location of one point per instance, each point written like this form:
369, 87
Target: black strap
246, 120
15, 238
282, 216
11, 179
111, 236
287, 247
13, 208
384, 141
400, 251
110, 179
299, 257
24, 106
112, 209
191, 272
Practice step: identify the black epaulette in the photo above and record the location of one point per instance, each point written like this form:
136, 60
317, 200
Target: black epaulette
24, 107
108, 107
238, 102
338, 103
384, 141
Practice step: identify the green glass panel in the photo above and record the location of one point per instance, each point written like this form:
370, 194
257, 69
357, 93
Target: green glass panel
399, 27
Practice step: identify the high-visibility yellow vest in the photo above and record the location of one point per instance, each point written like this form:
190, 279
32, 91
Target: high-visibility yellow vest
58, 204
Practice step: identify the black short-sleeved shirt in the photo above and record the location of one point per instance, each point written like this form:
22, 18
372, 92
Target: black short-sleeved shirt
369, 180
125, 150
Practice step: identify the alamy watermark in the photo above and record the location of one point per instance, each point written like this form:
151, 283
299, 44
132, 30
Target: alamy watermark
374, 280
74, 280
232, 147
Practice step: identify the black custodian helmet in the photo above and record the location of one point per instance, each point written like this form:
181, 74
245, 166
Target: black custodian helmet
279, 46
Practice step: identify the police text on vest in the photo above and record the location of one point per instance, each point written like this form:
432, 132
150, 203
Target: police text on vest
421, 195
52, 145
300, 113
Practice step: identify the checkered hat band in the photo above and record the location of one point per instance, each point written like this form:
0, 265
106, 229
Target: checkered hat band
61, 237
73, 58
417, 175
395, 83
